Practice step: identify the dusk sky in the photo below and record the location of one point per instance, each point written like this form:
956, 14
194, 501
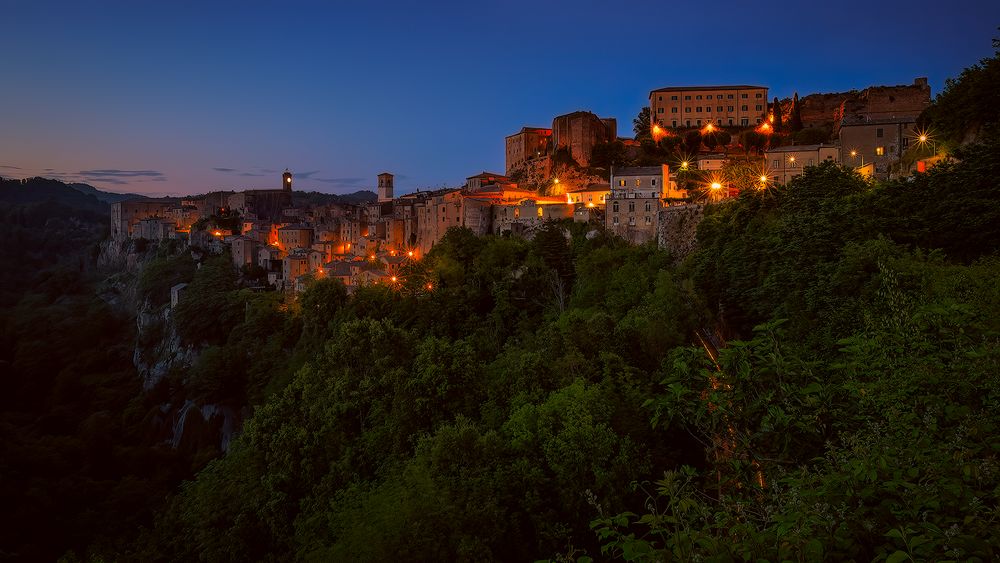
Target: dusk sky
186, 97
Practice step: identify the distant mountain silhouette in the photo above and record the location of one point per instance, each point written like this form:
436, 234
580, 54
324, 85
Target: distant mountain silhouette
107, 197
319, 198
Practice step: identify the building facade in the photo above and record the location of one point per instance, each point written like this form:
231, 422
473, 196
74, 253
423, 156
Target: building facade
879, 142
635, 201
694, 106
580, 131
527, 144
784, 163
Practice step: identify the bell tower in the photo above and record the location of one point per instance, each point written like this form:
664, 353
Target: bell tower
286, 181
385, 187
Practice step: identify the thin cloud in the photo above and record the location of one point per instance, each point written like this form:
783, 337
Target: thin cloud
115, 173
11, 167
219, 169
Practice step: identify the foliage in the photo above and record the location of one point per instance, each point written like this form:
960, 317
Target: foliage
641, 124
968, 105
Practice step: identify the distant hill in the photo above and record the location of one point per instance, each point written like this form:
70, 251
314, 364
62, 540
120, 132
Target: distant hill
44, 190
107, 197
318, 198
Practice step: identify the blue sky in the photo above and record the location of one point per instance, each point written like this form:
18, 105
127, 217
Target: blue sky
184, 97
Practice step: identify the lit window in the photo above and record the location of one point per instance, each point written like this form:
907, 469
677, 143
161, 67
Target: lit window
879, 151
638, 182
539, 211
621, 183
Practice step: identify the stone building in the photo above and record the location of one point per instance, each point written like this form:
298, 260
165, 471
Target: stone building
243, 251
385, 187
125, 215
885, 104
693, 106
295, 236
154, 228
527, 144
784, 163
879, 142
483, 179
635, 201
594, 195
580, 131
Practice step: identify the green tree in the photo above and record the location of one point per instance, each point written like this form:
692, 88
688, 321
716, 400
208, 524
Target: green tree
641, 124
795, 123
776, 112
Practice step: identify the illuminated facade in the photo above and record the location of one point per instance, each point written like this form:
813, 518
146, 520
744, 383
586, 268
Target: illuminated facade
694, 106
785, 163
634, 203
527, 144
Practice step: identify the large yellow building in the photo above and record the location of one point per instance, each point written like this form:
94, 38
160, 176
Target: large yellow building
694, 106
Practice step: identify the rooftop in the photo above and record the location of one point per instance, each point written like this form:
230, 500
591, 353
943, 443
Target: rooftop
638, 171
693, 88
800, 148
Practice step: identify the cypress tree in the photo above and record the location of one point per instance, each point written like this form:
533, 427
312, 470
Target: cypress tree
776, 110
796, 120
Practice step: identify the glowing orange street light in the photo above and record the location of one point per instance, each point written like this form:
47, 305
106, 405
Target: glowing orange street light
217, 233
709, 128
923, 138
763, 179
430, 286
716, 186
765, 127
393, 278
684, 165
410, 254
555, 181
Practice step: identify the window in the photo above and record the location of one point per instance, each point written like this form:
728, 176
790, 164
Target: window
674, 98
810, 163
708, 109
759, 107
730, 96
614, 220
730, 109
689, 123
879, 132
631, 220
648, 208
659, 110
673, 110
539, 211
699, 123
719, 121
649, 220
631, 206
638, 182
758, 95
718, 108
745, 121
697, 97
776, 163
744, 108
879, 151
614, 207
652, 182
730, 121
687, 97
659, 98
698, 109
687, 109
906, 141
744, 96
674, 124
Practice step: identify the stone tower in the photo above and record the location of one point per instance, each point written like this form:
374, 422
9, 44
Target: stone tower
385, 187
286, 181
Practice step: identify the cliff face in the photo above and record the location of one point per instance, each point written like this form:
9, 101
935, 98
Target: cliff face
678, 229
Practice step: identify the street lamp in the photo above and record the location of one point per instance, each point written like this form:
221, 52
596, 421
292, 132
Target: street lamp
854, 155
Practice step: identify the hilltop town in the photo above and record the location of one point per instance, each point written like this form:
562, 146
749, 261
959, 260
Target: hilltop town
693, 144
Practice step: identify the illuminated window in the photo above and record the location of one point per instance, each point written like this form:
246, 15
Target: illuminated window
621, 183
879, 151
539, 211
638, 182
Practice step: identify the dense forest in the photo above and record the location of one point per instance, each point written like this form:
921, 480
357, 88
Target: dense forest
819, 380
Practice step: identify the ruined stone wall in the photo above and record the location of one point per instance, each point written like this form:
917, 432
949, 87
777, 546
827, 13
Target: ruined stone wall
677, 229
